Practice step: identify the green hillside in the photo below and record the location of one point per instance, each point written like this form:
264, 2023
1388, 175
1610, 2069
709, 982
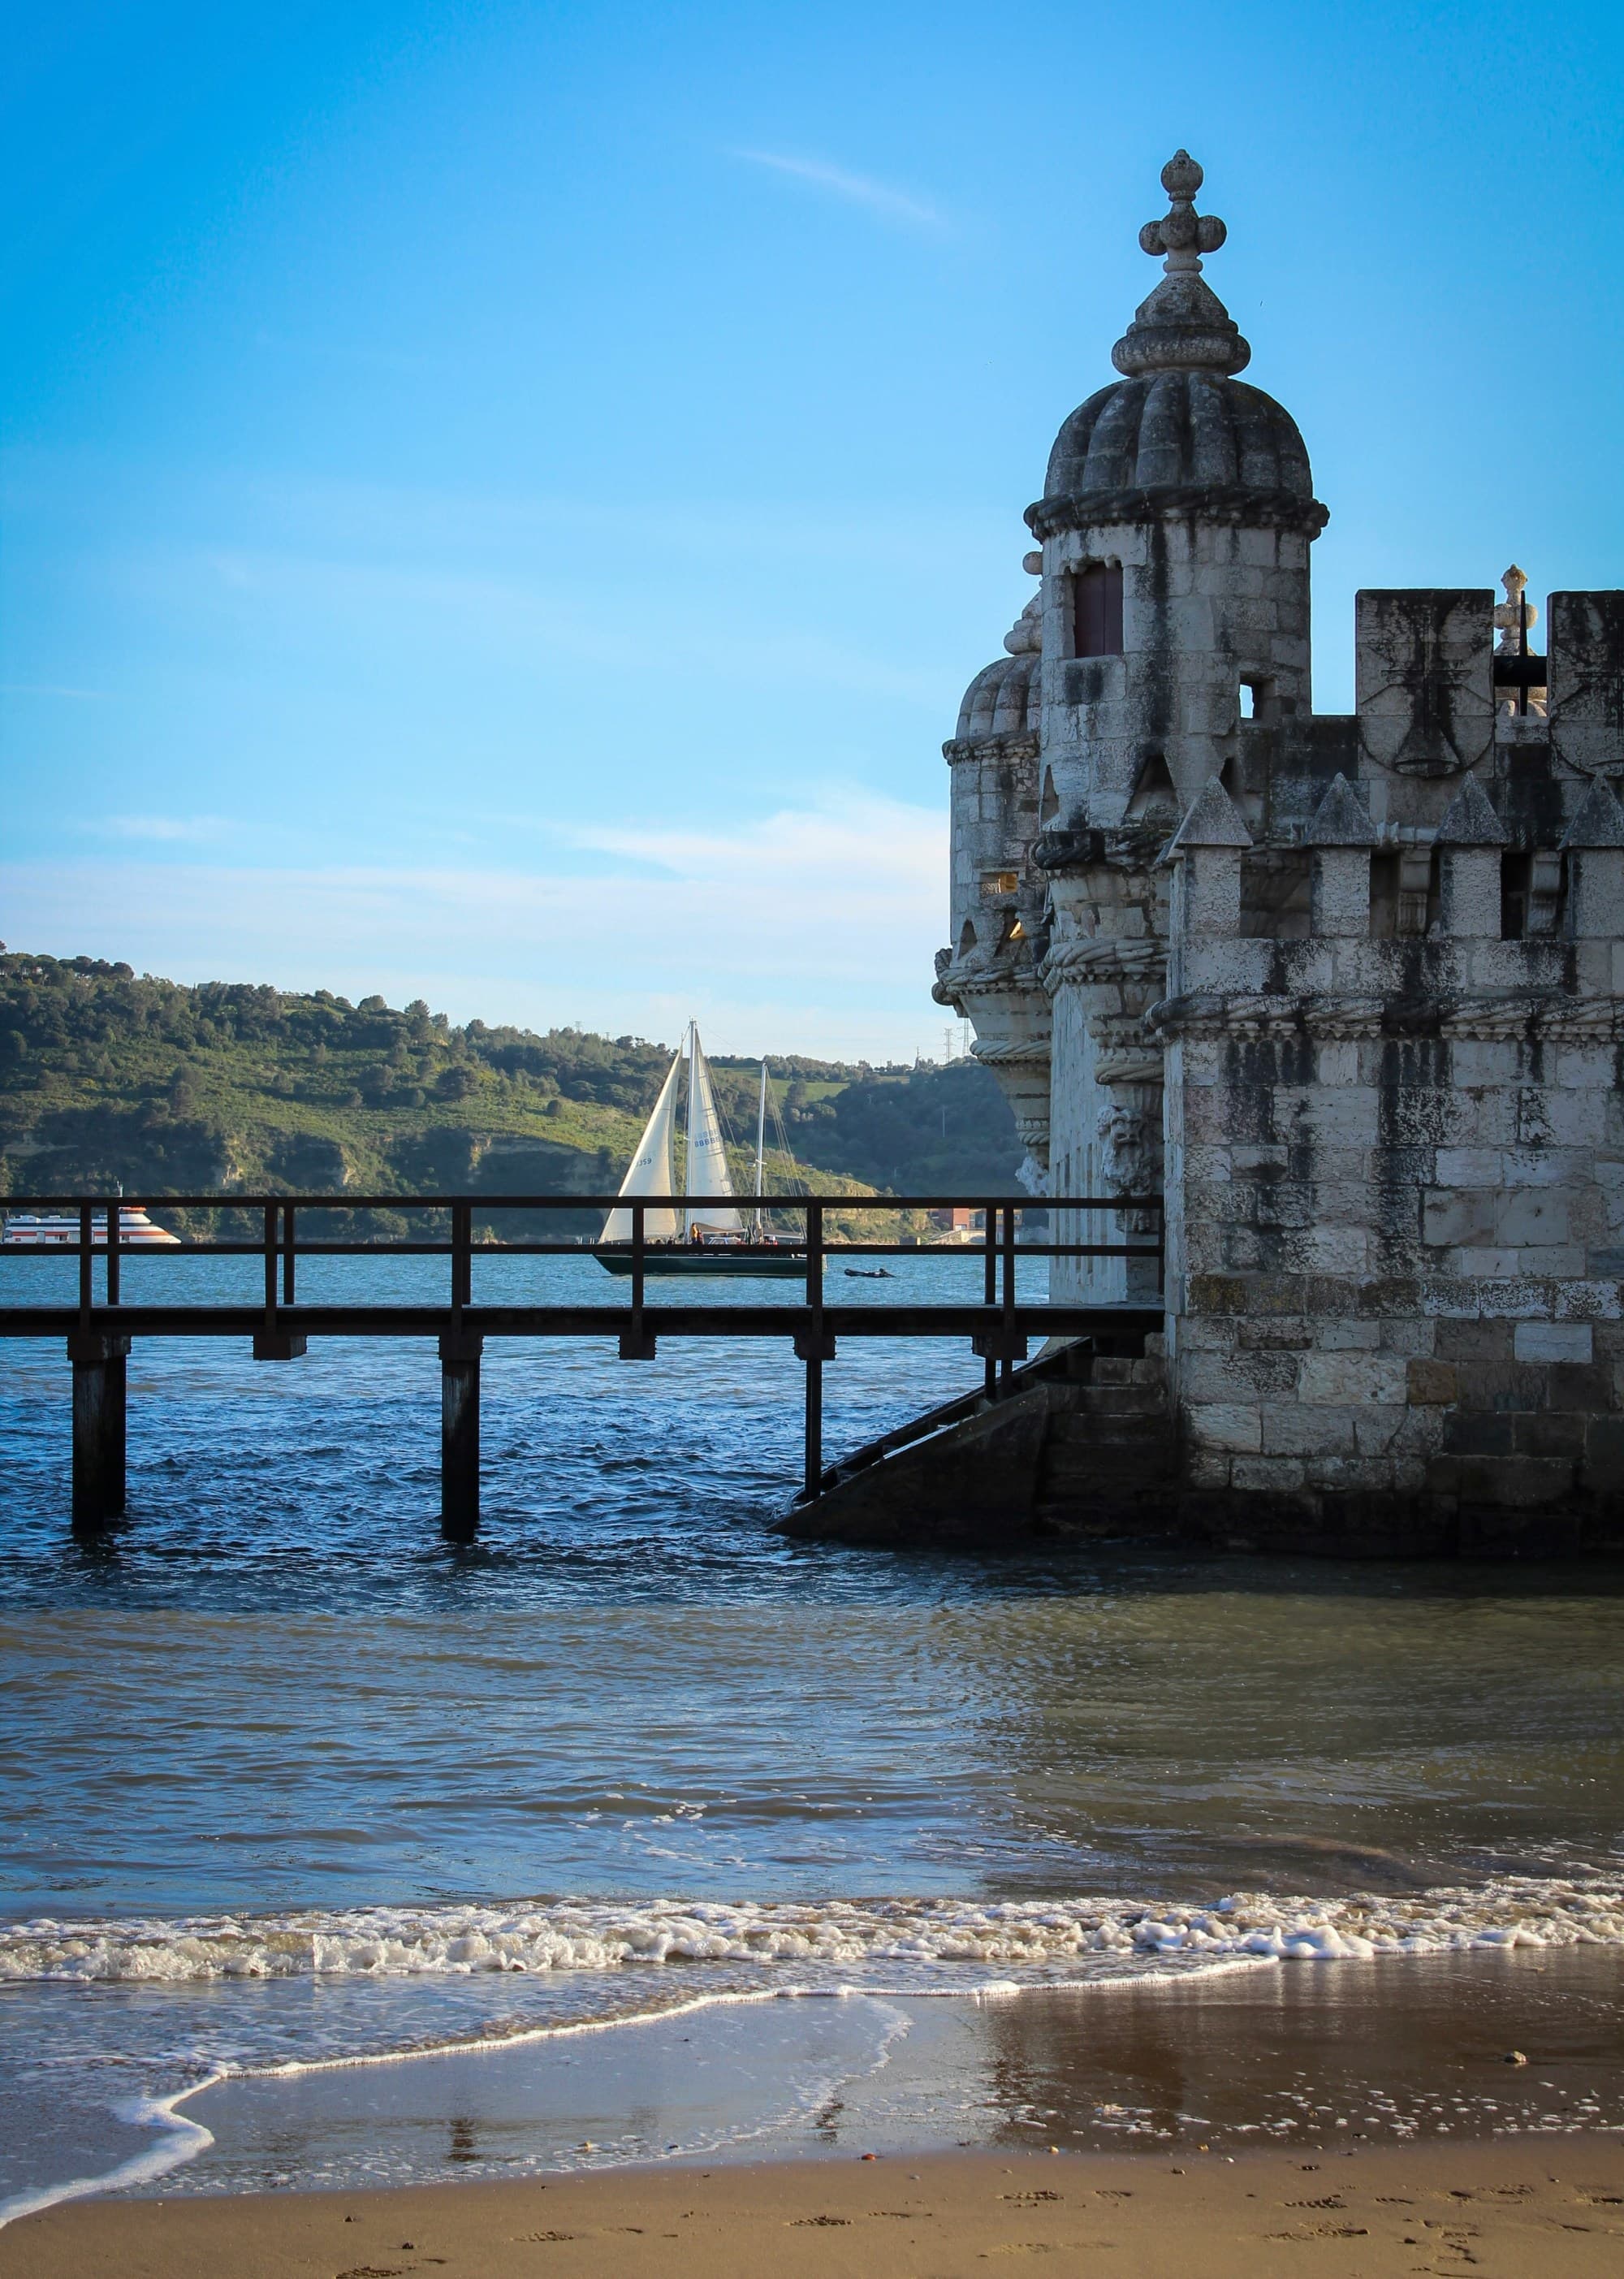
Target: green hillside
106, 1076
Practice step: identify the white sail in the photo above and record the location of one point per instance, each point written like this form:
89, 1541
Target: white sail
707, 1169
650, 1173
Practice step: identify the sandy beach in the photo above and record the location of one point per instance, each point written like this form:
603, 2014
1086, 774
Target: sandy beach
1501, 2207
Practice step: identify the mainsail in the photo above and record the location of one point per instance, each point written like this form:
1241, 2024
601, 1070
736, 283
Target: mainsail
707, 1171
651, 1171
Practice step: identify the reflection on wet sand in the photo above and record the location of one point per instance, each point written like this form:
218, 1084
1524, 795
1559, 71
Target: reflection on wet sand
1315, 2054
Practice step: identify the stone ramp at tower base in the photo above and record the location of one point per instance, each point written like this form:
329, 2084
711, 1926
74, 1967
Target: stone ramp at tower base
1082, 1447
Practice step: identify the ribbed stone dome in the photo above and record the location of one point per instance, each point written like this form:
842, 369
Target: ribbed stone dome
1003, 700
1176, 430
1178, 433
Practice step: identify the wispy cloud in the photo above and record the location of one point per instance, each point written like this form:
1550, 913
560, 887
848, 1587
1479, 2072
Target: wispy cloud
193, 829
811, 929
860, 189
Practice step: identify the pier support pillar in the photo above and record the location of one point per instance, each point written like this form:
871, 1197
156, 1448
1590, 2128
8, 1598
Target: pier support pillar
98, 1360
815, 1347
459, 1436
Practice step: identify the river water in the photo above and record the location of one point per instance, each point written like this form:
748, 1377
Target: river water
289, 1782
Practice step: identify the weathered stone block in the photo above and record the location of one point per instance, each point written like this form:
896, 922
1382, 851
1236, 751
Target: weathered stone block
1478, 1432
1474, 1341
1604, 1454
1224, 1426
1530, 1214
1573, 1386
1469, 1167
1452, 1216
1342, 1379
1552, 1341
1550, 1433
1518, 1483
1350, 1475
1265, 1475
1429, 1381
1290, 1430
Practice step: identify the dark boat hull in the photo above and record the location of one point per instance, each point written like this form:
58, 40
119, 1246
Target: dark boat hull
776, 1265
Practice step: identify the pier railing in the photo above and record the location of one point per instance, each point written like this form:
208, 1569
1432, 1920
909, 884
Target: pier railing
286, 1229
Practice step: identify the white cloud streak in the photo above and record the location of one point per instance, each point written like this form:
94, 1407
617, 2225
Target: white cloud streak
194, 830
811, 930
859, 189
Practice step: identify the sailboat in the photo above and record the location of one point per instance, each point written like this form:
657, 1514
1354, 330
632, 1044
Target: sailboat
710, 1236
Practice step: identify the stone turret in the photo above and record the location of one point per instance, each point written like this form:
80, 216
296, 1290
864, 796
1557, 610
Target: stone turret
987, 974
1349, 990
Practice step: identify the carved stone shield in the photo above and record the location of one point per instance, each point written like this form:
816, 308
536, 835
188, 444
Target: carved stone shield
1585, 686
1424, 678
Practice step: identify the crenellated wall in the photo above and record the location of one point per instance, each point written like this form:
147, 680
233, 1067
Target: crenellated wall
1396, 1191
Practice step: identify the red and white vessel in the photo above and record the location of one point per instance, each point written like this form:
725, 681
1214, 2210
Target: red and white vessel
59, 1231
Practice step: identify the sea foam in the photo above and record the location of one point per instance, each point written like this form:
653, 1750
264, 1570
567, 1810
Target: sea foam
917, 1937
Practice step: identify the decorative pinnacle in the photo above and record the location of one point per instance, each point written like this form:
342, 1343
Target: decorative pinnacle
1183, 234
1183, 327
1508, 616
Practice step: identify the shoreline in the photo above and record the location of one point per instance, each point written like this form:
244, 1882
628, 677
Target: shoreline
1508, 2045
1533, 2207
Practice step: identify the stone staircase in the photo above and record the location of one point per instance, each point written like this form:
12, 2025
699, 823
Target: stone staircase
1108, 1464
1081, 1447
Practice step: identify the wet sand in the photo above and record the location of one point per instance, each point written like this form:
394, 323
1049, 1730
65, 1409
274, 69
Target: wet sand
1498, 2207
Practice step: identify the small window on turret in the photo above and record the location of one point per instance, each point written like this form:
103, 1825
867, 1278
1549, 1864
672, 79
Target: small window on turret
1097, 609
1248, 700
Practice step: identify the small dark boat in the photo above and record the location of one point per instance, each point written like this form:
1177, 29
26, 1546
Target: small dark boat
871, 1274
702, 1258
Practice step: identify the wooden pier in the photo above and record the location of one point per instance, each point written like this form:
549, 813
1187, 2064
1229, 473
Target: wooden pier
279, 1328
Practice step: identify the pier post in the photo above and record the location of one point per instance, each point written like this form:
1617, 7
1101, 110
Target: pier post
459, 1435
815, 1346
272, 1342
98, 1360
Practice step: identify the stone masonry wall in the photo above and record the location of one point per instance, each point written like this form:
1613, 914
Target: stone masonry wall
1396, 1187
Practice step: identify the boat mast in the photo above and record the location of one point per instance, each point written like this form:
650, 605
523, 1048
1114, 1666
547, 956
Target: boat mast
760, 1157
687, 1152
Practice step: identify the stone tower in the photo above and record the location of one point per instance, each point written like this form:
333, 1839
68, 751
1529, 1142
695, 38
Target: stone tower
1347, 990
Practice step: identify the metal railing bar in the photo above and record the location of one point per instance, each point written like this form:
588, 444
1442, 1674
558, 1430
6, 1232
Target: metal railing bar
250, 1200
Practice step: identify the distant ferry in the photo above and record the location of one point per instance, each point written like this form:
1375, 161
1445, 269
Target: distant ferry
60, 1229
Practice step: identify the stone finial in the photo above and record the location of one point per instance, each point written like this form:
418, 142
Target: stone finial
1514, 619
1211, 820
1183, 234
1509, 616
1599, 820
1342, 819
1470, 819
1183, 327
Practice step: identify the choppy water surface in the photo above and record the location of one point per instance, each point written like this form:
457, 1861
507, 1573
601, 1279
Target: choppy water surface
288, 1779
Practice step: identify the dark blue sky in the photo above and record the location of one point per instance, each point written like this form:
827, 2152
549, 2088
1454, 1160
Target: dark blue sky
500, 502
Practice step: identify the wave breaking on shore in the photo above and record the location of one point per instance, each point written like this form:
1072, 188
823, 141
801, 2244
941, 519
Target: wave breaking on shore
1039, 1937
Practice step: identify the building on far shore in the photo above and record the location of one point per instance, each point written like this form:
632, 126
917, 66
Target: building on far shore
1347, 989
